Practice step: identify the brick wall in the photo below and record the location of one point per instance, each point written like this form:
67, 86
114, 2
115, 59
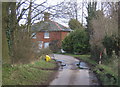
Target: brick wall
54, 35
64, 34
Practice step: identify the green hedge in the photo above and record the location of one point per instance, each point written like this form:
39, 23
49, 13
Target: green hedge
76, 42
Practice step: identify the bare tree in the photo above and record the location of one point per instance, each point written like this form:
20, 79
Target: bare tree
103, 25
19, 38
67, 10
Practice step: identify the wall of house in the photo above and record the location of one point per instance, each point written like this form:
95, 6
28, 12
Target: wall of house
64, 34
54, 35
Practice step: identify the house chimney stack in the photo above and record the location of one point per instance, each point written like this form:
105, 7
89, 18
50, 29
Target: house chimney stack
46, 16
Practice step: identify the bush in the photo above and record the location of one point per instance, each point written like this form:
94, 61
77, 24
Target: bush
67, 44
23, 48
43, 52
95, 52
111, 43
74, 24
76, 42
106, 75
54, 46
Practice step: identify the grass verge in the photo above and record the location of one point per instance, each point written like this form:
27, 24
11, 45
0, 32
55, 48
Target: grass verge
28, 74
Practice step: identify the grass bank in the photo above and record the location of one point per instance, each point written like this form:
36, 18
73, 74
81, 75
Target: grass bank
38, 73
105, 73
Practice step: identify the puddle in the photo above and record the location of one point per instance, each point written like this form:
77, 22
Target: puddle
59, 61
73, 72
81, 65
72, 66
63, 67
62, 64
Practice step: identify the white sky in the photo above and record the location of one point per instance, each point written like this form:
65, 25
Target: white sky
61, 21
54, 2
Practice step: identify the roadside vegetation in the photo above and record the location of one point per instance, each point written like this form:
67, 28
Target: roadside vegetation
21, 60
35, 73
107, 74
78, 40
100, 42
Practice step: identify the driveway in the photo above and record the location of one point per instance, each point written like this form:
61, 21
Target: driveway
70, 74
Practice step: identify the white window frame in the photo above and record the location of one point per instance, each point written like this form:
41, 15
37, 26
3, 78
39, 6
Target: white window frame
46, 46
46, 35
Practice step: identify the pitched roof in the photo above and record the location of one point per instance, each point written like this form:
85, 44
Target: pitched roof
49, 26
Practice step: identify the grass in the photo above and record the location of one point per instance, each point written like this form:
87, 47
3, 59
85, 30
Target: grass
27, 74
101, 74
106, 75
85, 58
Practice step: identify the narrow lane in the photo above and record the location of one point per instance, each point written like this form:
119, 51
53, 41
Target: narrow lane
70, 74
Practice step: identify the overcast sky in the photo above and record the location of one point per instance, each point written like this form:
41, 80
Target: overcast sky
65, 21
60, 20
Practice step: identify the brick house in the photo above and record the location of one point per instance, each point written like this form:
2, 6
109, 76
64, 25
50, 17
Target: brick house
49, 33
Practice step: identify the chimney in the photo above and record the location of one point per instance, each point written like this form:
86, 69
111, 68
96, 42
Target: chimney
46, 16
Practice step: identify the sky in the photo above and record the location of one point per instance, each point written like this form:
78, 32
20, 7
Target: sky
59, 20
54, 2
49, 3
65, 21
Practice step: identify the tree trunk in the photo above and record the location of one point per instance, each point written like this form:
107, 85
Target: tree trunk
5, 49
13, 27
29, 17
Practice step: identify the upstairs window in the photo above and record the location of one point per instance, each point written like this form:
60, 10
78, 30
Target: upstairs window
46, 35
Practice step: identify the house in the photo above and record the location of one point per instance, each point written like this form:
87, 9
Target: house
49, 33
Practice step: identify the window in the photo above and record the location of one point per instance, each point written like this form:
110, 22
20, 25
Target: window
46, 35
40, 44
34, 35
46, 45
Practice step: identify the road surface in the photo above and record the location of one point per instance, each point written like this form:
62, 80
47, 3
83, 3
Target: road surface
71, 74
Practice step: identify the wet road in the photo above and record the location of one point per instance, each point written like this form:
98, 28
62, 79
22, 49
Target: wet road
70, 74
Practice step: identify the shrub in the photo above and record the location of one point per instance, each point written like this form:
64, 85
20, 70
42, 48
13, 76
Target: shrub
54, 46
95, 52
23, 48
76, 42
67, 44
44, 51
75, 24
111, 43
